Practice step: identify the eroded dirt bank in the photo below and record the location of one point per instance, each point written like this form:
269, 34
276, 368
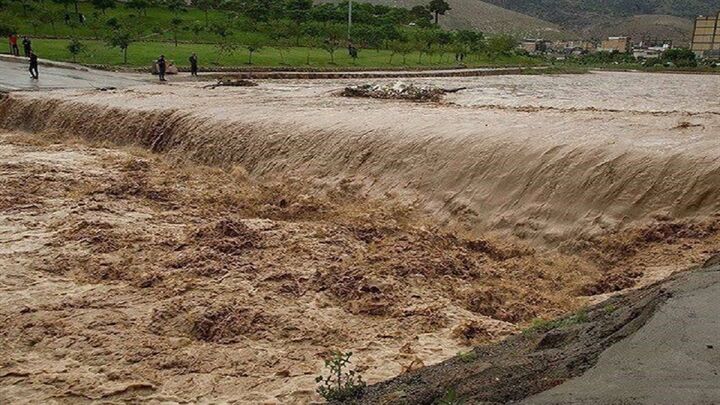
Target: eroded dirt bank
649, 346
125, 277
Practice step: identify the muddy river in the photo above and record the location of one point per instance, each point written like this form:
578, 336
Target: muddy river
177, 243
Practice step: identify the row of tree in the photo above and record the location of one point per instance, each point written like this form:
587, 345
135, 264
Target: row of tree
300, 11
255, 24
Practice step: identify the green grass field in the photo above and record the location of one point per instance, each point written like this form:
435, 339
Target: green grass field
142, 54
51, 36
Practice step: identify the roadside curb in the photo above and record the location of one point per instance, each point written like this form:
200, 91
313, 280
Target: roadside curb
43, 62
370, 74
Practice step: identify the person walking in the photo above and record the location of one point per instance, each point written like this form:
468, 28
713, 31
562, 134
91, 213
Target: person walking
193, 64
13, 45
34, 66
27, 46
161, 67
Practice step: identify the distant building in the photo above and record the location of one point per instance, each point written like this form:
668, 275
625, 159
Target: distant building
565, 49
706, 35
617, 44
649, 49
534, 46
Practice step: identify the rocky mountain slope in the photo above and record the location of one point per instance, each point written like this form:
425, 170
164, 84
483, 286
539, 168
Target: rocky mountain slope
486, 17
667, 19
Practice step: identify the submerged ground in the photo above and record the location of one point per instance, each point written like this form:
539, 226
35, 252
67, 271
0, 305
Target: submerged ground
182, 243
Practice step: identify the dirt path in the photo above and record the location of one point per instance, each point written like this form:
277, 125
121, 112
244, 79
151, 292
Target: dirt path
674, 358
15, 76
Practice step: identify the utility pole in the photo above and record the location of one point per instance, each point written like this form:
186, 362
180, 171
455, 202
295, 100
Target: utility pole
349, 19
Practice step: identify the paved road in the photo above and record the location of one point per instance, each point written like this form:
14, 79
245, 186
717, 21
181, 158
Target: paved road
15, 76
673, 359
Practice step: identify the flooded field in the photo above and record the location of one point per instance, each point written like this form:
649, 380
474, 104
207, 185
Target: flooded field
185, 244
652, 93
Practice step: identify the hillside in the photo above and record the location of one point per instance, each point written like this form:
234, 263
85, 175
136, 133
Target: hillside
583, 13
486, 17
638, 27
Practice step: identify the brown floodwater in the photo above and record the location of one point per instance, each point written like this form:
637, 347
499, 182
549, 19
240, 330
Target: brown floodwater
179, 243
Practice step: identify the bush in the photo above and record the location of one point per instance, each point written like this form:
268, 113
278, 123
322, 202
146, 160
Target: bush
6, 30
680, 57
340, 384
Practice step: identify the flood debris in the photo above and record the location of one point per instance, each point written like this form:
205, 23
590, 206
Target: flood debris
231, 83
399, 90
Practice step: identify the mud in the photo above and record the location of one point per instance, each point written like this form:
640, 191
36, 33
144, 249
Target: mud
175, 243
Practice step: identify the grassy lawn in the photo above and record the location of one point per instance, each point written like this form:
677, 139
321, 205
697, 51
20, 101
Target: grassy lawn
154, 35
142, 54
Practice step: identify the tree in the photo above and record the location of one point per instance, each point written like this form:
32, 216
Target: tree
47, 15
331, 43
369, 36
176, 6
176, 25
298, 10
103, 5
280, 35
225, 45
27, 7
6, 30
140, 5
680, 57
64, 3
403, 47
75, 47
421, 16
438, 7
253, 45
121, 38
311, 44
261, 10
196, 28
205, 6
501, 44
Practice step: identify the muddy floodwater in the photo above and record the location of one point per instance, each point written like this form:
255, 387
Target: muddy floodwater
178, 243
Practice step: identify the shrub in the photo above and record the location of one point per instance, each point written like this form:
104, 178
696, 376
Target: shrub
340, 384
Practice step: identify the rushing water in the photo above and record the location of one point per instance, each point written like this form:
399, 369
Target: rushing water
545, 156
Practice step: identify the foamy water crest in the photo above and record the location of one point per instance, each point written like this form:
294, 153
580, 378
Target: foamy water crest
531, 172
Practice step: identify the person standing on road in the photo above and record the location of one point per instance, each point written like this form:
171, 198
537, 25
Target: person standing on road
193, 64
34, 65
161, 67
27, 46
13, 45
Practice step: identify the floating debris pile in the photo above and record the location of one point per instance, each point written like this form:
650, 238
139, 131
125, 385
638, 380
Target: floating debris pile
398, 90
232, 83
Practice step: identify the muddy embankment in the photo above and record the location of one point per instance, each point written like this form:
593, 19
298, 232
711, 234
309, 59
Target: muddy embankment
545, 176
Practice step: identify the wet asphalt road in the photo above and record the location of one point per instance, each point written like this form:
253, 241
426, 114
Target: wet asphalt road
14, 76
673, 359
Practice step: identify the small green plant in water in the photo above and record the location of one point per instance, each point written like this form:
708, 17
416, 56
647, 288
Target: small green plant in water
341, 384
